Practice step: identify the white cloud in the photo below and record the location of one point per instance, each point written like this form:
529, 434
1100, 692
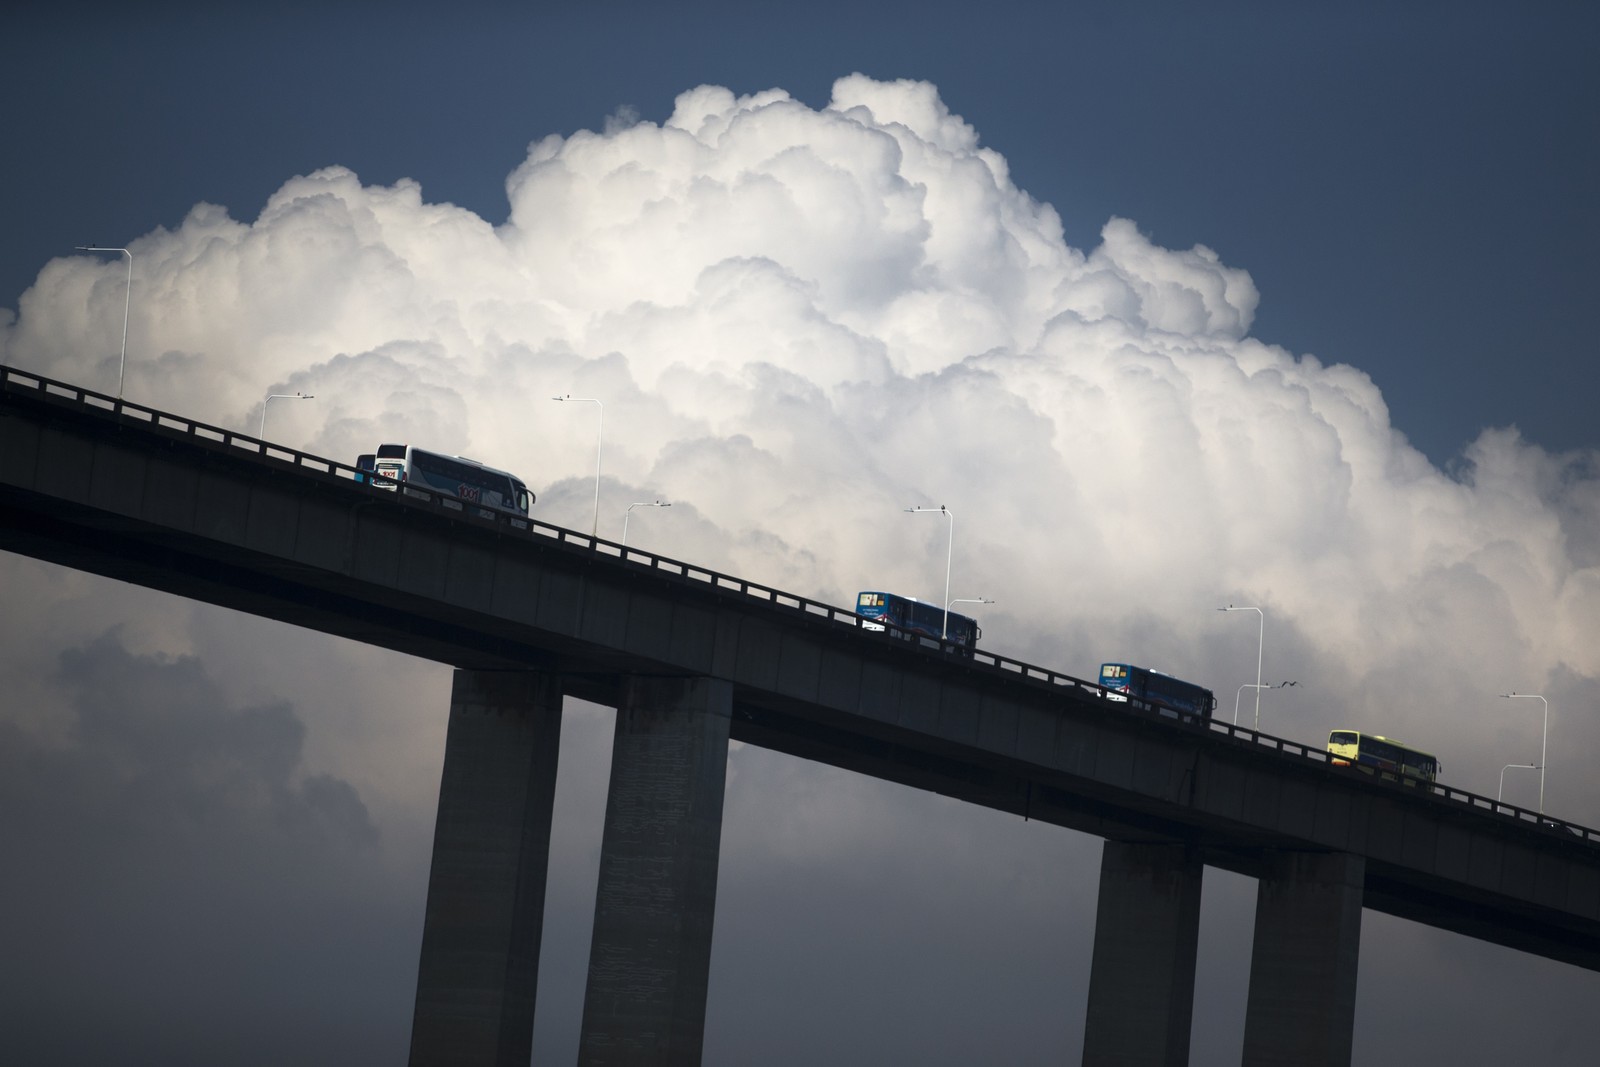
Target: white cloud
802, 320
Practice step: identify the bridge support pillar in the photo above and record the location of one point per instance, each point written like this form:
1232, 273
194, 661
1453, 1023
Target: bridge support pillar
651, 954
491, 848
1302, 1003
1141, 979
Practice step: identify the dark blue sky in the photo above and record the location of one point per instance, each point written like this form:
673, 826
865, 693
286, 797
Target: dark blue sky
1411, 190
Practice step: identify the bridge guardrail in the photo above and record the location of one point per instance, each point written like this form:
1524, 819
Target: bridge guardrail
13, 380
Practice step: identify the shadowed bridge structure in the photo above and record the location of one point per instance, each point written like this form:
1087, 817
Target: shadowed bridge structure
528, 613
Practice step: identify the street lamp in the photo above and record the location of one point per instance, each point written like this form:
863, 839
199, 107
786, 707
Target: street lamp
1543, 744
949, 551
1257, 686
969, 600
599, 441
1236, 696
629, 512
1503, 770
127, 302
261, 434
1261, 639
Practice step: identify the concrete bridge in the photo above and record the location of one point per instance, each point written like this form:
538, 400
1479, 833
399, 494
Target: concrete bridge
529, 613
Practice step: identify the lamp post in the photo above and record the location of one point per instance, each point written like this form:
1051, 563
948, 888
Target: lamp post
127, 302
1543, 743
944, 633
1236, 696
261, 434
1261, 639
1257, 686
629, 512
599, 441
1503, 770
969, 600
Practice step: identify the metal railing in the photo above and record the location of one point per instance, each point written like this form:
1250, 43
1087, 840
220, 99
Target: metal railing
937, 651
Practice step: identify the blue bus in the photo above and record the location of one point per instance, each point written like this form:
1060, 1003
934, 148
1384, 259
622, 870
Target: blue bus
909, 618
1123, 681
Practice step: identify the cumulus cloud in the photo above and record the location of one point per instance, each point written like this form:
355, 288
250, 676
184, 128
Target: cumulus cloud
803, 320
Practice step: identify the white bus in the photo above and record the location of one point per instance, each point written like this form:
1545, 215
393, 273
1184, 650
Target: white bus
471, 481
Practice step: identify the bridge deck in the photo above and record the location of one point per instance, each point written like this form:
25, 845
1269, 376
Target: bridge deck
143, 496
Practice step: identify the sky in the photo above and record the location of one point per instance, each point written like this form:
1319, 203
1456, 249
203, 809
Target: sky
1173, 308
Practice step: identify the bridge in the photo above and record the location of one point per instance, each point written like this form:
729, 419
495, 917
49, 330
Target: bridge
528, 613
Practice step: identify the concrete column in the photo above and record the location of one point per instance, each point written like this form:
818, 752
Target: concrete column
1141, 981
491, 849
651, 954
1302, 1004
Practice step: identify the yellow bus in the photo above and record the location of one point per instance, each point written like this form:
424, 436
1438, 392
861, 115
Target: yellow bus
1380, 755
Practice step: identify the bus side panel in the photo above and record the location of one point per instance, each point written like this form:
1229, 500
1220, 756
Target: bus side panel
924, 619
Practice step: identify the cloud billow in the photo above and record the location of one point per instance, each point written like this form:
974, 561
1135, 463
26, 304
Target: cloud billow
803, 320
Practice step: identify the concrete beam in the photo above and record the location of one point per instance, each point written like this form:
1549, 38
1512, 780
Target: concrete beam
1141, 981
651, 954
1303, 963
491, 848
